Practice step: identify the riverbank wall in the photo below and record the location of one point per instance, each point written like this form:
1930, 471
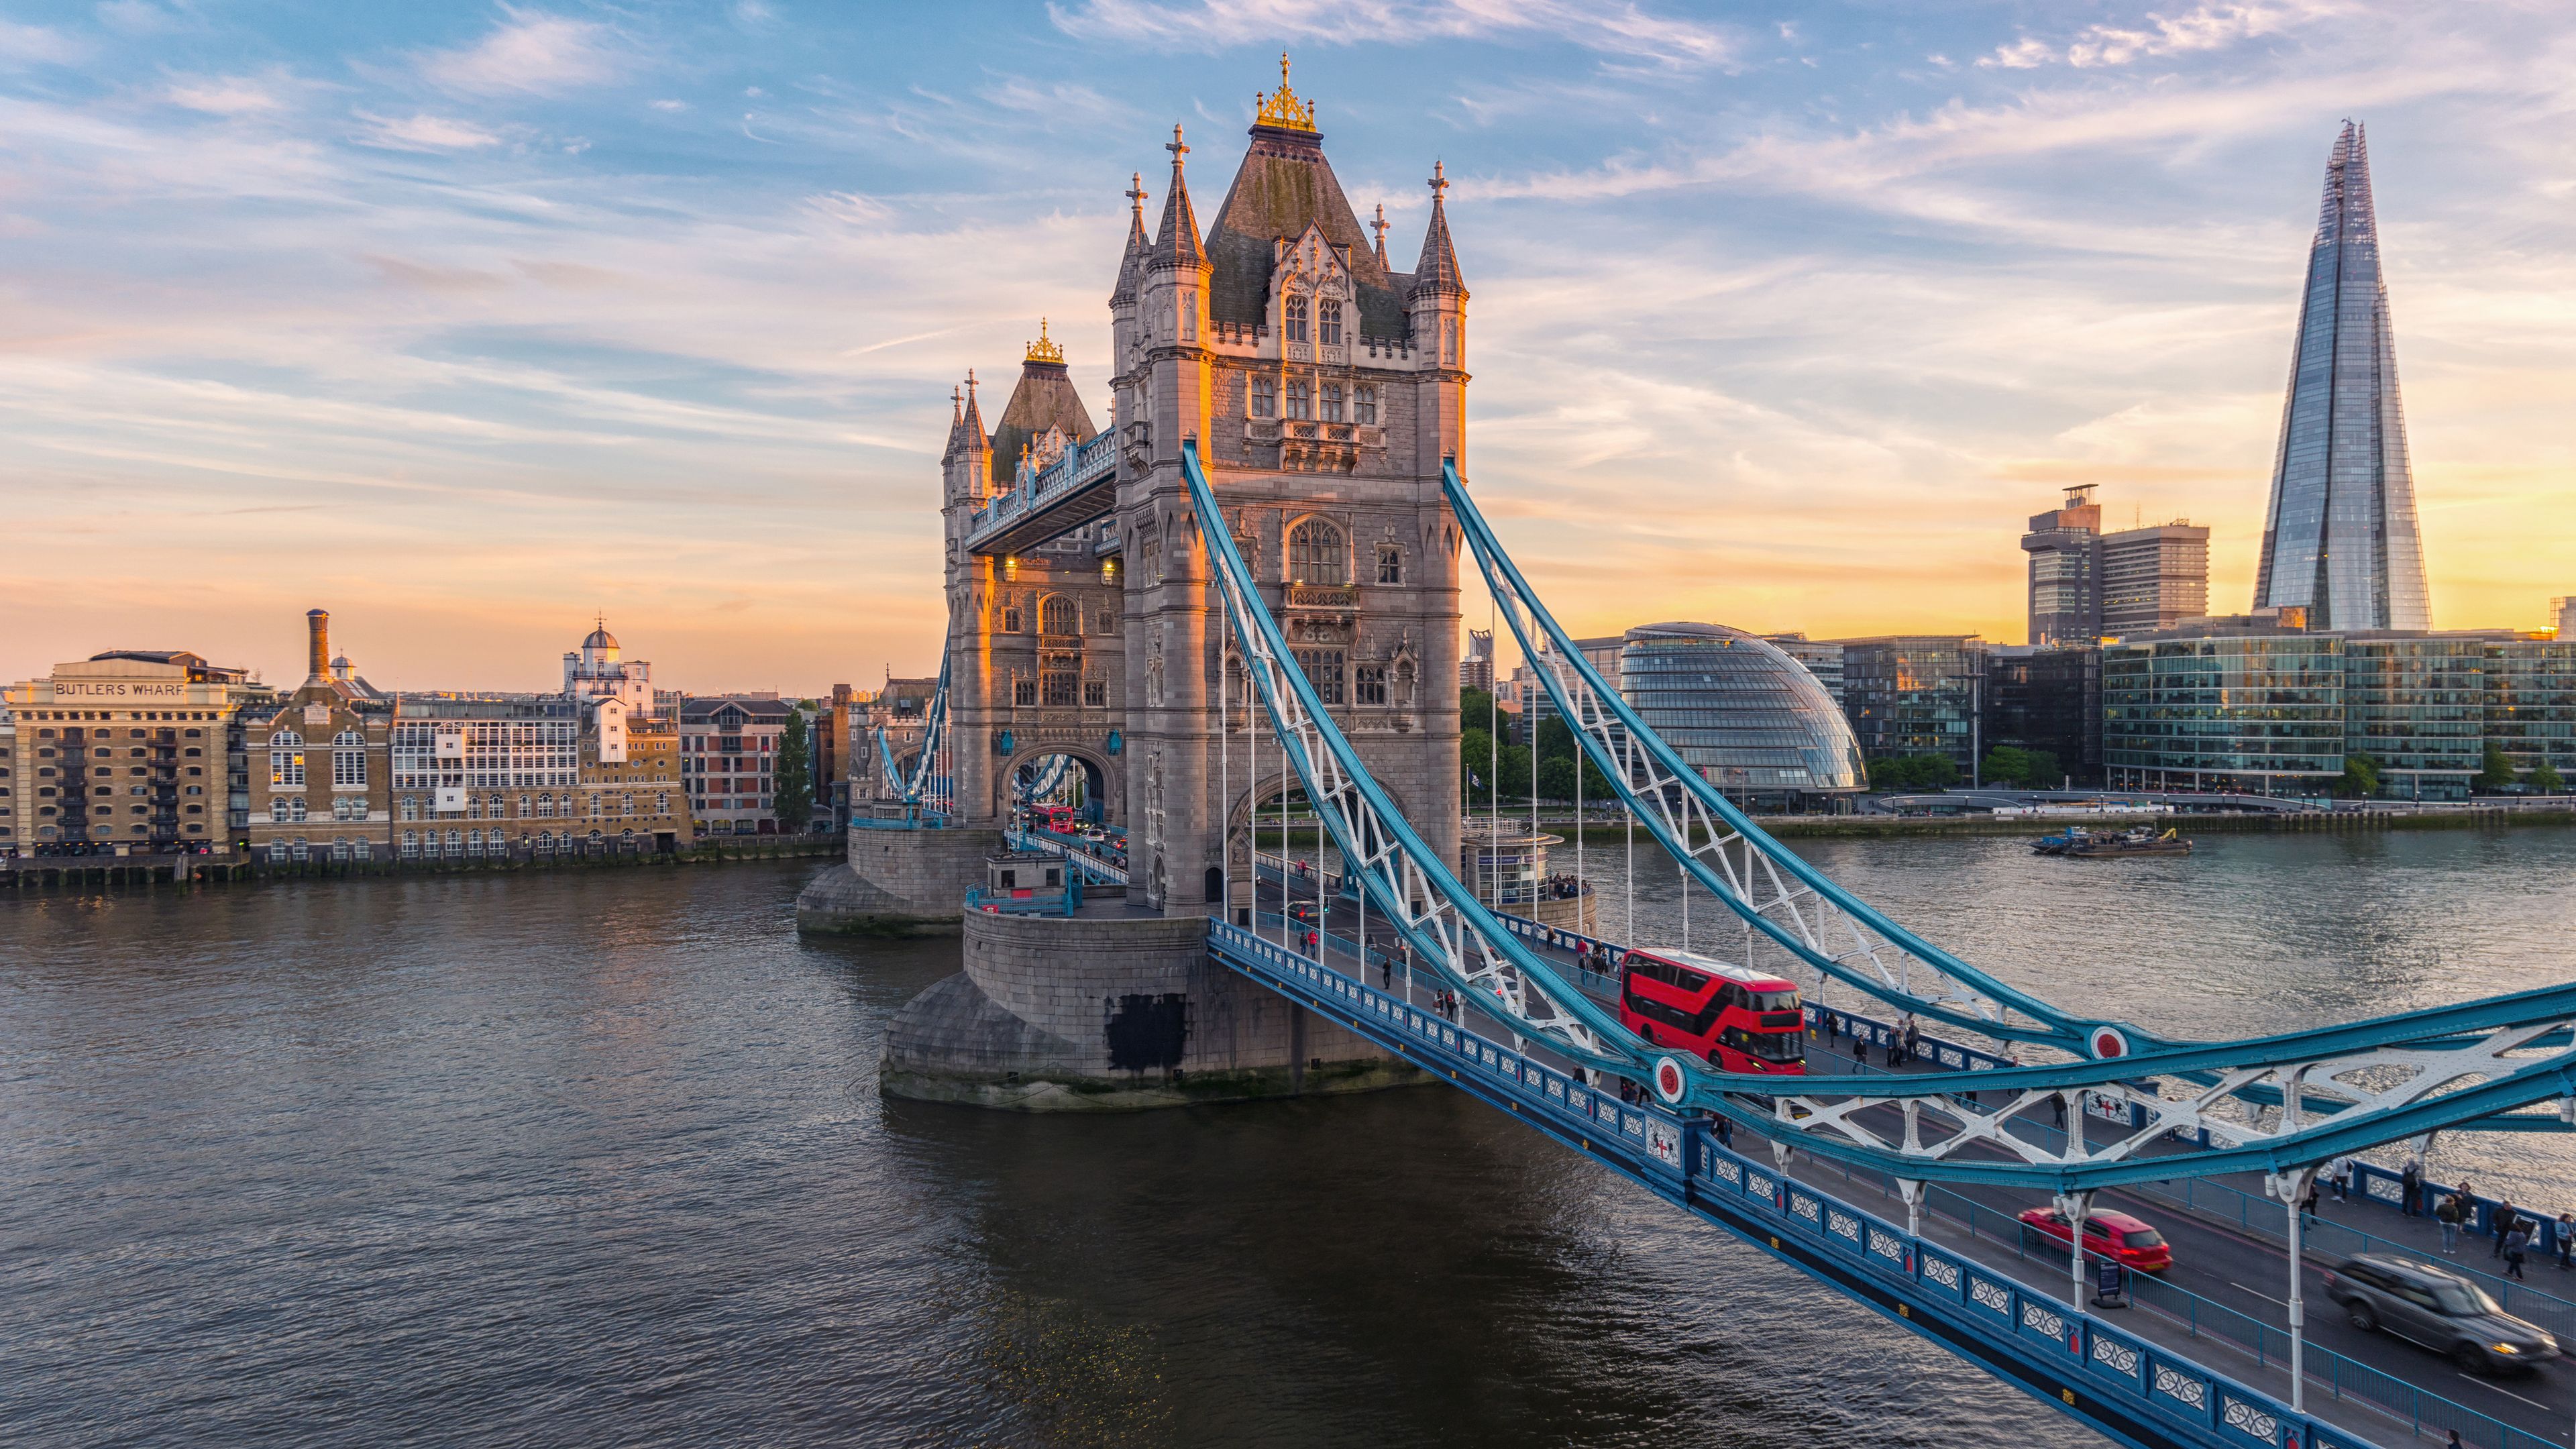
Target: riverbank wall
1885, 827
84, 874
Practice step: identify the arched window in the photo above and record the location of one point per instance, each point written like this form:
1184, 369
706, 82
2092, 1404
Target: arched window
1059, 614
1301, 400
285, 759
297, 806
1265, 397
1317, 554
348, 760
1296, 314
626, 803
499, 806
1332, 402
523, 805
277, 810
1331, 318
1364, 404
545, 807
411, 845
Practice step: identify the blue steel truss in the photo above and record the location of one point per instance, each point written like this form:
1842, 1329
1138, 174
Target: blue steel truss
923, 791
2278, 1104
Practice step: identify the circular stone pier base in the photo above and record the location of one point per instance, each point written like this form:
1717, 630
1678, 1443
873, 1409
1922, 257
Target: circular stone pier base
1113, 1013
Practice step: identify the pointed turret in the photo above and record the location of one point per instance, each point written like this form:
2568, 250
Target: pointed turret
1176, 241
1436, 275
967, 462
2341, 539
1131, 263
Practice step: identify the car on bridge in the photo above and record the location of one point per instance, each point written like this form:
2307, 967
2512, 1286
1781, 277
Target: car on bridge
2125, 1240
2440, 1309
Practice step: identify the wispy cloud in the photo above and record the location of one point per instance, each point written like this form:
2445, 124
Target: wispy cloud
529, 53
225, 96
2210, 27
424, 132
1606, 26
37, 45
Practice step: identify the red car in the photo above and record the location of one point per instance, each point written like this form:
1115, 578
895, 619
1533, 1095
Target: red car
2113, 1235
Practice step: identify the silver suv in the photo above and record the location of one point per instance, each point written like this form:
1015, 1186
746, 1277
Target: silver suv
2439, 1309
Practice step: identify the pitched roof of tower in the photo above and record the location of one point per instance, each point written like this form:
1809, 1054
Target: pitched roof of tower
1283, 185
1176, 241
1437, 273
1131, 264
1044, 399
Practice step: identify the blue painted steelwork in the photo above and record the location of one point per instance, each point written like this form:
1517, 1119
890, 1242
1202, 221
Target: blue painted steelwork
1609, 729
925, 793
1072, 491
1091, 865
2120, 1383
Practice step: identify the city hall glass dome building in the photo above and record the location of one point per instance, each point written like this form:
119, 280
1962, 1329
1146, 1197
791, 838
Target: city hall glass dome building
1752, 720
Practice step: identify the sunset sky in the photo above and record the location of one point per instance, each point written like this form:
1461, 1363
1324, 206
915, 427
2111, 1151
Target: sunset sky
466, 321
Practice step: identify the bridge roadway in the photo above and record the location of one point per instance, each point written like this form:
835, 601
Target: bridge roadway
2222, 1304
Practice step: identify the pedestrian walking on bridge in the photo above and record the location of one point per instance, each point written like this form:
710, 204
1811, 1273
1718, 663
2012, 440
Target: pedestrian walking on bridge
2514, 1244
2500, 1225
2448, 1215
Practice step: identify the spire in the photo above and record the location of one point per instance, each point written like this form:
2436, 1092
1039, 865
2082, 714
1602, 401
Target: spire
1436, 275
2340, 539
1282, 108
1131, 264
974, 419
1176, 241
1379, 226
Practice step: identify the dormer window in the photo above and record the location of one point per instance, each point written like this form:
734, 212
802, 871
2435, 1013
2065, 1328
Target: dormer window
1296, 319
1331, 320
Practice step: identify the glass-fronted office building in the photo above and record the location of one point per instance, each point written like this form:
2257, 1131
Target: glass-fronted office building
2278, 713
1915, 694
1750, 719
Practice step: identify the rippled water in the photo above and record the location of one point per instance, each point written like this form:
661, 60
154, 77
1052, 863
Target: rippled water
598, 1158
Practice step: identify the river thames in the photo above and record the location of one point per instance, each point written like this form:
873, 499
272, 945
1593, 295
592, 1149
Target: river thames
597, 1157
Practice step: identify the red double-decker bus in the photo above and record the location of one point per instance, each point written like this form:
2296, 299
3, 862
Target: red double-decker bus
1740, 1020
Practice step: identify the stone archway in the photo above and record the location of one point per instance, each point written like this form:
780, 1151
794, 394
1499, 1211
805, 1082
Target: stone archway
1103, 780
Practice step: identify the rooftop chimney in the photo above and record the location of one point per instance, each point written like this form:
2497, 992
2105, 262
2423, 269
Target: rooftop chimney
317, 645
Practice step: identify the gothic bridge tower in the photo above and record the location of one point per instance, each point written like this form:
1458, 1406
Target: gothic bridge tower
1323, 388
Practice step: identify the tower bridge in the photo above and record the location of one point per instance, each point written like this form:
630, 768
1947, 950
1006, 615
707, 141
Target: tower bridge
1244, 587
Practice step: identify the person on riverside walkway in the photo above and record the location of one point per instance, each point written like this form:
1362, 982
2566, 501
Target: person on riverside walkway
2514, 1244
2448, 1215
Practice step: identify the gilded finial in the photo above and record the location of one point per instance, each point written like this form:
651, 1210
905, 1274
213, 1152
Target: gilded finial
1044, 350
1282, 108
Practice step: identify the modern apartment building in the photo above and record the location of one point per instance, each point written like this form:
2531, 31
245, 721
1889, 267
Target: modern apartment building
729, 760
1915, 694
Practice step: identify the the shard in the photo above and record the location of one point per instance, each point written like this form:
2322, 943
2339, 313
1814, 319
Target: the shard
2340, 540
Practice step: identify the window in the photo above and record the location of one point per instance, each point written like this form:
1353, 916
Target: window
1331, 318
1059, 686
1316, 555
626, 803
411, 845
1107, 623
277, 811
1059, 615
1449, 341
1149, 556
1095, 693
1364, 404
1024, 691
285, 759
1368, 684
1300, 400
1390, 564
545, 807
1296, 315
296, 807
1189, 316
411, 807
1324, 670
1332, 402
1011, 619
1265, 397
348, 759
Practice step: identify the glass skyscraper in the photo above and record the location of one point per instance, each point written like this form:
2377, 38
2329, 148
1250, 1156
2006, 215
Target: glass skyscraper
2340, 540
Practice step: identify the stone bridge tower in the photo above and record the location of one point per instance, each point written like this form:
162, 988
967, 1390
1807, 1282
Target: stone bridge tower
1323, 389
